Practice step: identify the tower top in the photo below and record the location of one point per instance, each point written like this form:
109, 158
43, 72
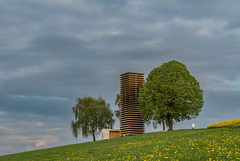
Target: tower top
131, 73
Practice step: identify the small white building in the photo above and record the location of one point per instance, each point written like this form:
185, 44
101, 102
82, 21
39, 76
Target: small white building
193, 126
110, 133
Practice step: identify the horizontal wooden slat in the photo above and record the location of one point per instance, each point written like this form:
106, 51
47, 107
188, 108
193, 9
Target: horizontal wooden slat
130, 119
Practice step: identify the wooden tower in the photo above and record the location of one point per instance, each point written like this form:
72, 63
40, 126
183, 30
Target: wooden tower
131, 122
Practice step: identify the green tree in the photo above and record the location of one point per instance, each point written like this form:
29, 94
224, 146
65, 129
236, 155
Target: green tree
170, 93
91, 116
118, 103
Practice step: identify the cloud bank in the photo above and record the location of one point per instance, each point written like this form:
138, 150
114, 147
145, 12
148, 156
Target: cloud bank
52, 52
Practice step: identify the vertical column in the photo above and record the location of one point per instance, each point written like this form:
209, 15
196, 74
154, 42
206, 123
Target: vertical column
130, 118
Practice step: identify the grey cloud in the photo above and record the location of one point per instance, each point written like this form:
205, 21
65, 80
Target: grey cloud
143, 54
19, 131
223, 103
69, 49
35, 105
122, 40
56, 43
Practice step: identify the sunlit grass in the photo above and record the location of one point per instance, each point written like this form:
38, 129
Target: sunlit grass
229, 123
202, 144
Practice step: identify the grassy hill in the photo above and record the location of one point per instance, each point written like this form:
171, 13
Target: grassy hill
229, 123
201, 144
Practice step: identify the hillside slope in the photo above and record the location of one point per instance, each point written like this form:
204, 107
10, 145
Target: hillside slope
201, 144
228, 123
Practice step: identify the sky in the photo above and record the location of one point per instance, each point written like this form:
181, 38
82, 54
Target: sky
54, 51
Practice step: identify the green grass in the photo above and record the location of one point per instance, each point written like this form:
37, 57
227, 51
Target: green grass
201, 144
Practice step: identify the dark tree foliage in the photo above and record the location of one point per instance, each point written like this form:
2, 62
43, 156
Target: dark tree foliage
170, 93
91, 116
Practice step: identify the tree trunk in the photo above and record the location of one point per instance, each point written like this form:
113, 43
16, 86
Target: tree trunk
163, 123
170, 122
94, 139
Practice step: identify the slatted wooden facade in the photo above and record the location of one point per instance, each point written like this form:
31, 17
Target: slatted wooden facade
114, 134
131, 122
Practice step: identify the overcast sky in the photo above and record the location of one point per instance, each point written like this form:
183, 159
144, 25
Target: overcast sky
53, 51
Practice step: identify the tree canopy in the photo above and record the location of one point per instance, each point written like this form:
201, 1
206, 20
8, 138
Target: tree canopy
170, 93
118, 103
91, 116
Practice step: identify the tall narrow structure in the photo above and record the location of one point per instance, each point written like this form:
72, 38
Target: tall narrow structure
131, 122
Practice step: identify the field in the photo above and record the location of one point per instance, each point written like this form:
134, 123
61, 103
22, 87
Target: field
229, 123
201, 144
